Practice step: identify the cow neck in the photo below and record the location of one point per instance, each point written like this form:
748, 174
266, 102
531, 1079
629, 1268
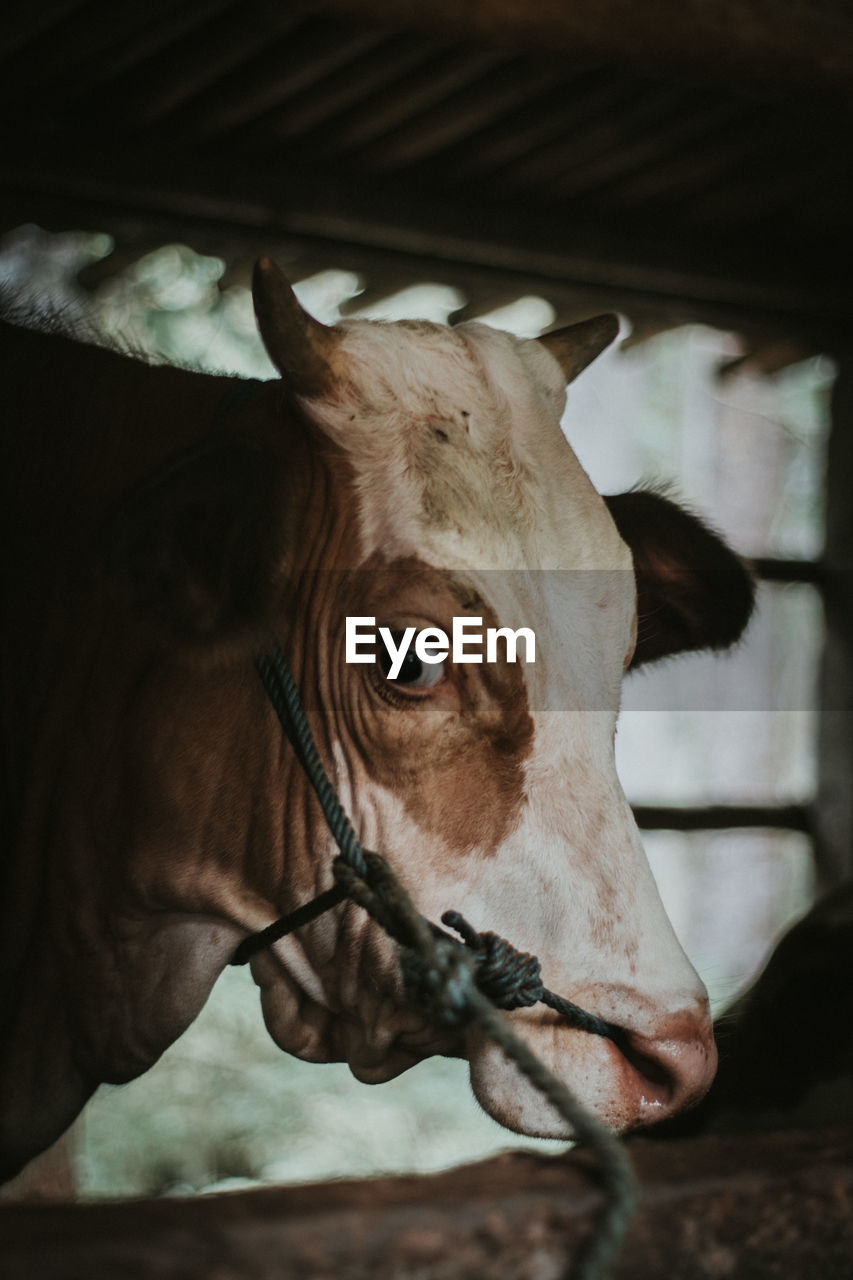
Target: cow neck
510, 978
81, 423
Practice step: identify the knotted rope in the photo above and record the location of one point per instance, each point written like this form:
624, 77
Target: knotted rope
457, 984
512, 979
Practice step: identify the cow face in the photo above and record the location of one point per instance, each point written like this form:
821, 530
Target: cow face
491, 787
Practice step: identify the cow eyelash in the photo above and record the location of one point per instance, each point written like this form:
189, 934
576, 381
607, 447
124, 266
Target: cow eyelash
397, 694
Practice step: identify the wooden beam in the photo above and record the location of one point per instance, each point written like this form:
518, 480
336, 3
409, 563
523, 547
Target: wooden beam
777, 569
446, 72
266, 81
75, 51
736, 284
495, 94
583, 95
396, 59
758, 1206
785, 47
723, 817
25, 25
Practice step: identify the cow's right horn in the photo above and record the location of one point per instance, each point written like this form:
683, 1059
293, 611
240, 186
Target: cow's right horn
578, 345
301, 348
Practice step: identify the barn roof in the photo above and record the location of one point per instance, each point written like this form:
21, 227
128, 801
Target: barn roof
679, 159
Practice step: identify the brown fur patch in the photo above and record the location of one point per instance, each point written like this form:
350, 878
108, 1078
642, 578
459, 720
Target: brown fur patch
455, 758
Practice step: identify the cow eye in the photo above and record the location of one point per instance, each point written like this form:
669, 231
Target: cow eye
413, 673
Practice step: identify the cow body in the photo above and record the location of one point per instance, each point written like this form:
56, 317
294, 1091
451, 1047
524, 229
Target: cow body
160, 529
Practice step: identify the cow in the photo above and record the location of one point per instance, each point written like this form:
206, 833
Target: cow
163, 526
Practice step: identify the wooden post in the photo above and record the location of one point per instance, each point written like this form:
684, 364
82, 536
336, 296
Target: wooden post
834, 816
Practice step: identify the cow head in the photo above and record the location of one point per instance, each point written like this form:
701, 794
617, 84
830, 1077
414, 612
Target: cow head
435, 482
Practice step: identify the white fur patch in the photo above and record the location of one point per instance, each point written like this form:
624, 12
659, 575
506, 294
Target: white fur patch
459, 458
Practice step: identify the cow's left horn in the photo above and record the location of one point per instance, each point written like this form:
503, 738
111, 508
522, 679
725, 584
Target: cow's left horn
301, 348
577, 345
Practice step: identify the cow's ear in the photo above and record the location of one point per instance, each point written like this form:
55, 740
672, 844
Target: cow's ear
194, 544
693, 592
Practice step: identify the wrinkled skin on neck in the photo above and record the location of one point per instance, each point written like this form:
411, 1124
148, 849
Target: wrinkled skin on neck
163, 817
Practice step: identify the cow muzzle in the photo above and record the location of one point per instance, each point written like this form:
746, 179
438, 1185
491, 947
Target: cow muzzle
659, 1068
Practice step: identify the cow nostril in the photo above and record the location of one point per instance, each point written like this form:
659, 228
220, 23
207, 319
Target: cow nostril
646, 1064
669, 1071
